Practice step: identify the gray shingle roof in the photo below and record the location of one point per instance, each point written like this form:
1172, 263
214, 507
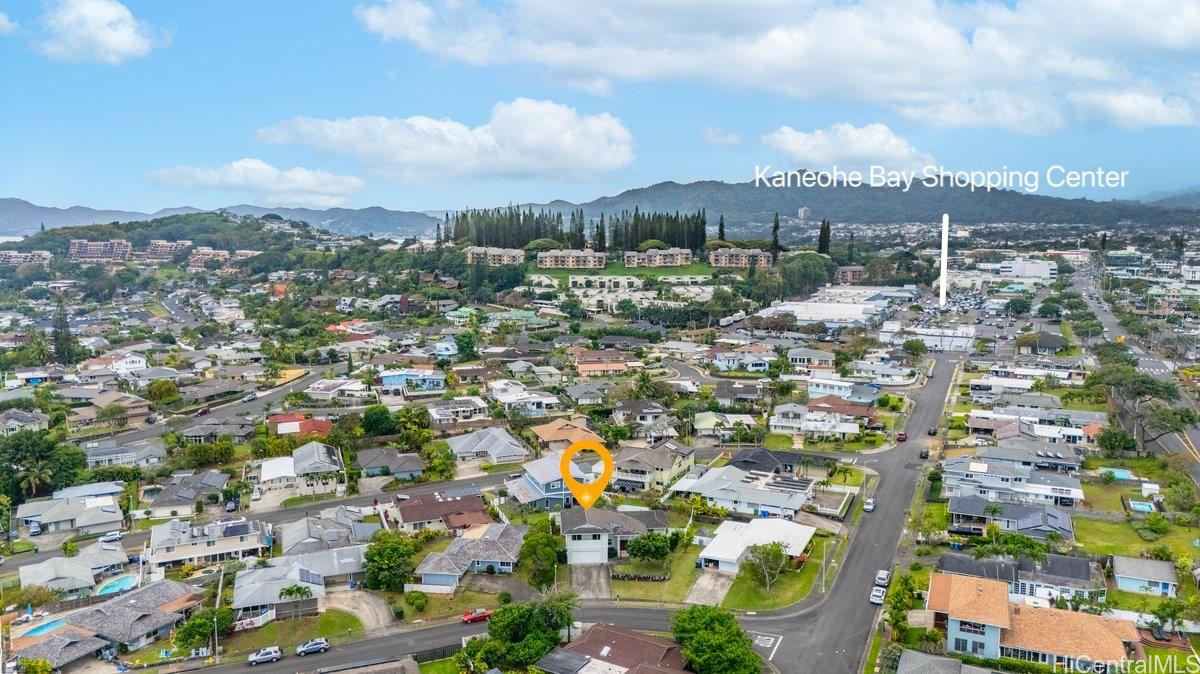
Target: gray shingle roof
261, 586
62, 647
498, 543
1144, 569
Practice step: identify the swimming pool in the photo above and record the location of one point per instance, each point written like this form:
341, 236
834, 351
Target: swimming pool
1119, 473
44, 627
1141, 506
117, 585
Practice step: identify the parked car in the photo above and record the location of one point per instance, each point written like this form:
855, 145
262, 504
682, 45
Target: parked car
256, 494
231, 506
883, 577
111, 537
901, 436
318, 645
1, 560
924, 453
878, 594
268, 654
477, 615
203, 411
933, 430
249, 397
35, 529
152, 419
869, 505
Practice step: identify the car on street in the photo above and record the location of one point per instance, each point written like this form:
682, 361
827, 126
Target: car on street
933, 430
111, 537
318, 645
869, 505
901, 436
883, 577
268, 654
477, 615
203, 412
924, 453
250, 397
878, 594
1, 561
255, 495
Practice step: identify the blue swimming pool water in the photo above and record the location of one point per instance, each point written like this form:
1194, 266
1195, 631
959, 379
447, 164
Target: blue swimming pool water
117, 585
1119, 473
44, 627
1141, 506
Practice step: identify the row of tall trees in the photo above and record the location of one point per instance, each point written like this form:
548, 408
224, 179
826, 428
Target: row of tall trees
513, 227
627, 231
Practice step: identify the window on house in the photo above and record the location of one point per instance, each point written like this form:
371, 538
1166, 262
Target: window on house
960, 645
969, 627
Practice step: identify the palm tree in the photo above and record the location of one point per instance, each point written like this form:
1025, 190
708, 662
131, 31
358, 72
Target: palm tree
993, 510
1054, 539
35, 476
295, 592
805, 462
839, 470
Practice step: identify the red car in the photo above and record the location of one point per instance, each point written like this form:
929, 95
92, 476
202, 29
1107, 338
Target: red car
901, 436
478, 615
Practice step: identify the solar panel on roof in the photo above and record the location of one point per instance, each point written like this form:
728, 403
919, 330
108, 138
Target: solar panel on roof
307, 576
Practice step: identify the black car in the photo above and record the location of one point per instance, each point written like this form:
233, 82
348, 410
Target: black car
933, 430
924, 452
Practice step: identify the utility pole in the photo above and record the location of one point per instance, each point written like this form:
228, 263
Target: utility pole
216, 610
945, 257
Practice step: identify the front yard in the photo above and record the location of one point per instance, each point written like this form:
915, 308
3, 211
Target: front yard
337, 626
682, 567
748, 594
444, 605
777, 441
1118, 538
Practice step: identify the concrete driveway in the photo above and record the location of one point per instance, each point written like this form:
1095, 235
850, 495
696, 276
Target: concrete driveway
370, 608
591, 581
710, 588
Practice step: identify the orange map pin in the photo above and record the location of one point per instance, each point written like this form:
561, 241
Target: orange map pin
586, 494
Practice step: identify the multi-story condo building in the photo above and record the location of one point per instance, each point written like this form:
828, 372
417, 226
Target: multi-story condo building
113, 250
850, 273
160, 251
202, 254
1005, 481
180, 542
670, 257
571, 259
16, 257
495, 257
605, 282
1040, 270
739, 258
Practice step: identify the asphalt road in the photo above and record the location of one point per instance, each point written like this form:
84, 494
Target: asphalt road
179, 313
828, 637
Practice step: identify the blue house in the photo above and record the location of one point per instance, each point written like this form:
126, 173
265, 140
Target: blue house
1145, 576
541, 486
490, 548
398, 382
971, 612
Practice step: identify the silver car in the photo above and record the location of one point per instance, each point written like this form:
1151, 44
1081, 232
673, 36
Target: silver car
268, 654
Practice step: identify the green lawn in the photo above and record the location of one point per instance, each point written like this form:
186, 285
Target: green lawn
17, 547
443, 606
145, 523
683, 575
301, 500
436, 545
777, 441
337, 626
873, 655
748, 595
1107, 497
504, 468
936, 517
446, 666
1118, 538
619, 269
1165, 660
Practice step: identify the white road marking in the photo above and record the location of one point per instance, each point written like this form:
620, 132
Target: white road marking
765, 640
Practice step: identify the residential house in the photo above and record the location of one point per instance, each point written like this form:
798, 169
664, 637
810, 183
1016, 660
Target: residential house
412, 381
295, 423
1042, 343
237, 429
747, 493
134, 410
1004, 481
264, 591
137, 618
184, 489
76, 576
1145, 576
15, 420
336, 527
387, 461
559, 434
483, 548
805, 359
587, 393
772, 461
726, 361
1049, 578
514, 397
181, 542
977, 619
740, 258
972, 514
494, 445
864, 394
119, 362
459, 410
594, 535
654, 468
83, 514
884, 374
328, 390
721, 425
733, 393
608, 649
731, 542
541, 484
435, 511
116, 452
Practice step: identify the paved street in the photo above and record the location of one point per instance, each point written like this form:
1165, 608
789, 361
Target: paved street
829, 636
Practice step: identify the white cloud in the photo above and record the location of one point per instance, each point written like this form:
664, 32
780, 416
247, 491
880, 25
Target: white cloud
1137, 110
97, 30
720, 138
984, 63
522, 138
269, 186
848, 147
7, 25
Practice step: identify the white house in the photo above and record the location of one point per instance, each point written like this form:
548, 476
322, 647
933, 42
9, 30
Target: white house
731, 543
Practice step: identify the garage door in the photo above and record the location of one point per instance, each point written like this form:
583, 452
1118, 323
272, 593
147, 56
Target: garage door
597, 556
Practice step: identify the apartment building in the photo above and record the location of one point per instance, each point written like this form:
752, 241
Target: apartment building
159, 251
15, 257
113, 250
571, 259
669, 257
1004, 481
605, 282
180, 542
203, 254
494, 257
739, 258
850, 273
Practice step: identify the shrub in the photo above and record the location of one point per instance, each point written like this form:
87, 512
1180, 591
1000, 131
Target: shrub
504, 598
416, 599
398, 611
1108, 478
914, 567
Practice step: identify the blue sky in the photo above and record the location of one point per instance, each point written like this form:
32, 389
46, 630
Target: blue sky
425, 105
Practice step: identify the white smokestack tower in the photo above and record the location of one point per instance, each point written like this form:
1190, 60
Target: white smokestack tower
945, 256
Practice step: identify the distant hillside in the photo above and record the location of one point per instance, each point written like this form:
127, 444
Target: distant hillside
744, 203
1189, 197
203, 228
21, 217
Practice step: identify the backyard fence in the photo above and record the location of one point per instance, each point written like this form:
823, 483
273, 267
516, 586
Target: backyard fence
438, 653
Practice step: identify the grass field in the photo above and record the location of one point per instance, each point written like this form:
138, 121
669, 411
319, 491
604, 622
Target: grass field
748, 595
1107, 497
777, 441
441, 606
445, 666
619, 269
683, 576
337, 626
301, 500
873, 654
936, 517
1118, 538
1165, 660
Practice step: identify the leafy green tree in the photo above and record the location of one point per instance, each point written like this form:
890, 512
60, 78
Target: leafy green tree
915, 348
650, 546
162, 390
198, 629
412, 424
713, 642
1018, 306
1114, 441
35, 666
378, 420
467, 350
540, 551
69, 548
388, 560
112, 413
769, 561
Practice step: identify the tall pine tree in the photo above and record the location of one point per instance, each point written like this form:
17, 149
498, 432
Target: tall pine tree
775, 240
61, 340
823, 238
850, 249
721, 227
